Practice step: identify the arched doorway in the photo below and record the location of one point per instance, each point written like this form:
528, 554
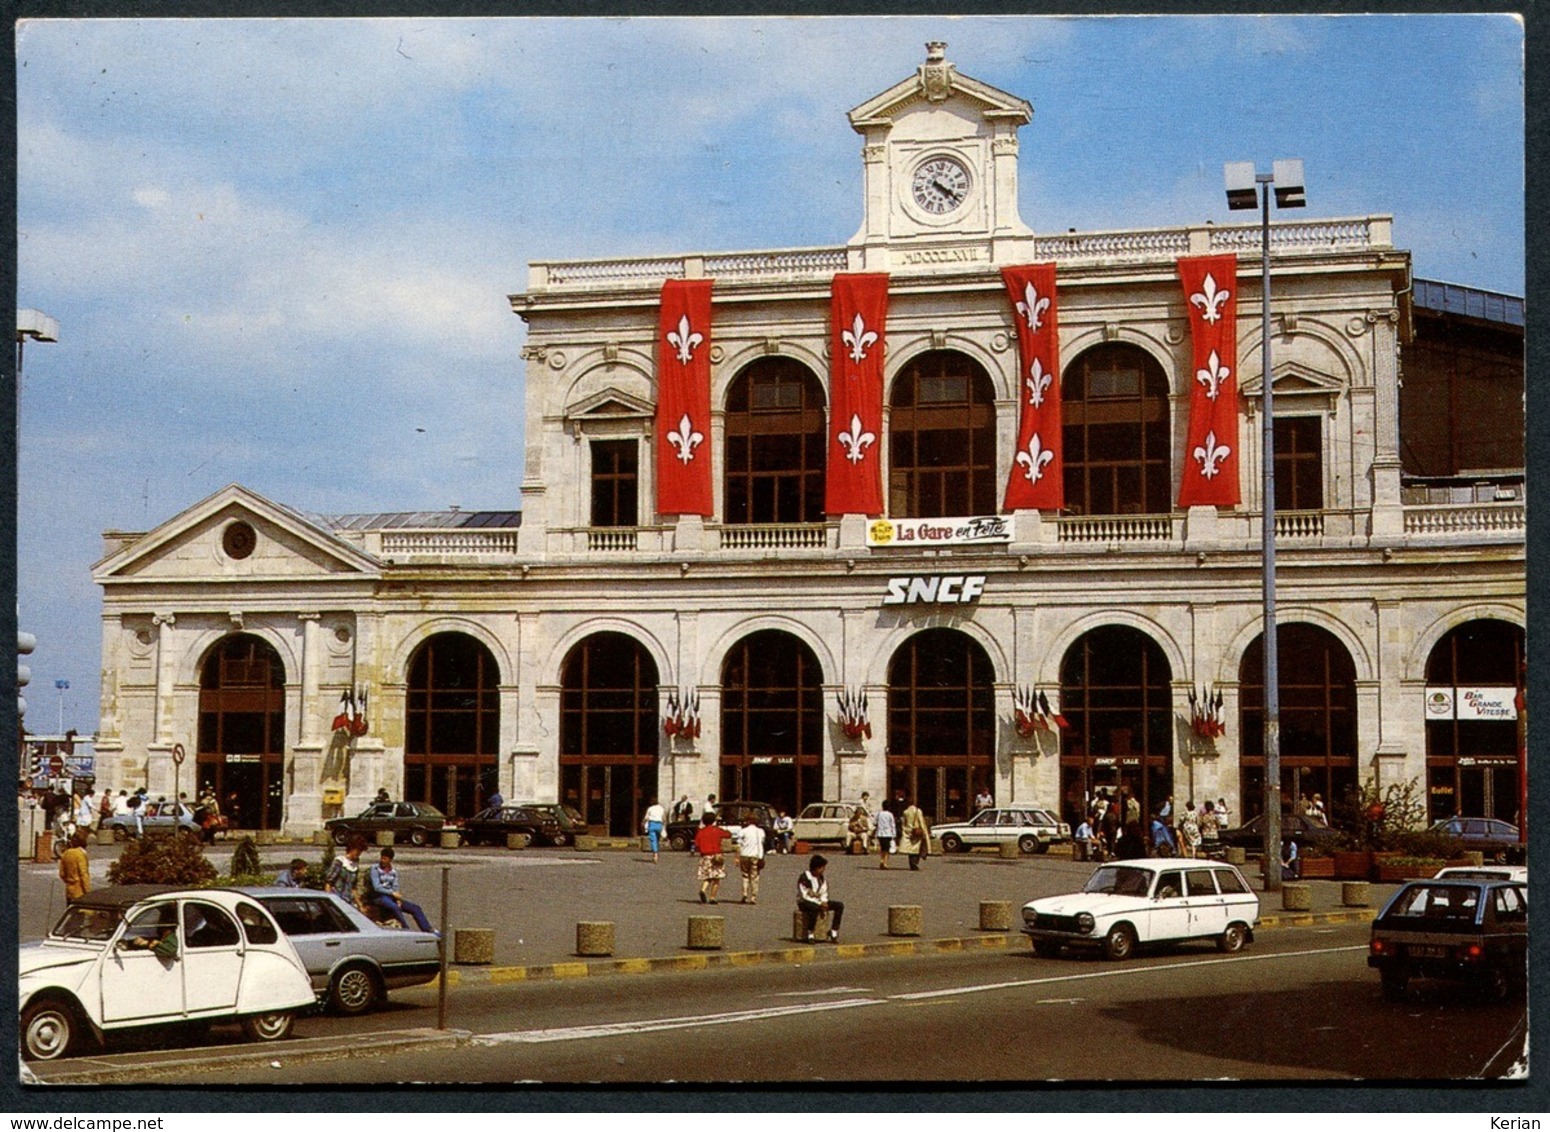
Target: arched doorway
942, 439
775, 444
1116, 694
941, 722
452, 725
608, 731
1472, 738
1114, 405
241, 752
772, 722
1318, 719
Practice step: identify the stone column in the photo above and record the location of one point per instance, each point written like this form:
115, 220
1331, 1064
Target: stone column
311, 667
164, 677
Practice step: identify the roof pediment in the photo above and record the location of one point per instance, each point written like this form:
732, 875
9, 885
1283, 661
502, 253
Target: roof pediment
940, 83
191, 546
1292, 379
609, 403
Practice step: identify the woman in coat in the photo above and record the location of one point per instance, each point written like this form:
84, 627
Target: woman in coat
915, 834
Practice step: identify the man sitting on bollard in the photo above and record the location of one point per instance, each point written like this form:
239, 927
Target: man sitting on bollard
382, 891
813, 900
1291, 869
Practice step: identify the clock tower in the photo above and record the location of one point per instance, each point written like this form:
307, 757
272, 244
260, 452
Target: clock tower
940, 173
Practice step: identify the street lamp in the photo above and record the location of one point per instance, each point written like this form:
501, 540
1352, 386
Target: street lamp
1245, 189
61, 686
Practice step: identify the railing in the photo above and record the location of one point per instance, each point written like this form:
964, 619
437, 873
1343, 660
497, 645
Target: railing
449, 542
1116, 529
1314, 235
1472, 518
1159, 242
606, 539
799, 261
1299, 524
776, 536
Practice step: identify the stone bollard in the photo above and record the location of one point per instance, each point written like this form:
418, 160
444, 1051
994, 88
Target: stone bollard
266, 837
322, 837
518, 840
904, 919
586, 843
1474, 858
820, 926
594, 937
385, 838
1296, 897
1009, 851
105, 837
707, 933
1237, 855
451, 839
43, 849
473, 945
1355, 894
995, 915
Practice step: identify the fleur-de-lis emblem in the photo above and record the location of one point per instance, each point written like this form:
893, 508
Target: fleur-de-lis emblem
1213, 375
856, 440
684, 340
1037, 382
858, 338
1209, 299
685, 439
1032, 307
1211, 456
1035, 459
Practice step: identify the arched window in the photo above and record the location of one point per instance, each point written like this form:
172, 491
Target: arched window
1317, 683
772, 721
242, 730
452, 725
942, 439
941, 722
608, 731
1116, 696
1115, 403
775, 444
1472, 738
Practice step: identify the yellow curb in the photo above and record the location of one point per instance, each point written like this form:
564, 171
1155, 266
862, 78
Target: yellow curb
746, 958
571, 970
632, 966
509, 974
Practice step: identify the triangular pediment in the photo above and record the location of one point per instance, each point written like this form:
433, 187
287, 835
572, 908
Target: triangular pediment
1292, 380
609, 404
196, 546
981, 99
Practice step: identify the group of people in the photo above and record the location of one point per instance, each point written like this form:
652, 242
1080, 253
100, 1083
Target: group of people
1112, 828
375, 890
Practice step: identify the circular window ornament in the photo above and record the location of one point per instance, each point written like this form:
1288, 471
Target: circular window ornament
238, 540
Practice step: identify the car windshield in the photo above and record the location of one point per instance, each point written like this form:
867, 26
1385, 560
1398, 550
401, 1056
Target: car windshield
1437, 902
1119, 880
91, 924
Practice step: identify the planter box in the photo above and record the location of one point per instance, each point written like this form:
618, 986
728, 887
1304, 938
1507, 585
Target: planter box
1392, 873
1353, 865
1317, 868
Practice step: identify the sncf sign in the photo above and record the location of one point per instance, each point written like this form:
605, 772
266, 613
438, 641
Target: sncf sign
946, 589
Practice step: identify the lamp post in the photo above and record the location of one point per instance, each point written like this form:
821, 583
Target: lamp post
61, 686
1245, 189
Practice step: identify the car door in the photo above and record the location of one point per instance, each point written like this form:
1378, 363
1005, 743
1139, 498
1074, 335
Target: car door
1207, 906
1238, 902
317, 936
980, 829
136, 983
212, 958
1168, 915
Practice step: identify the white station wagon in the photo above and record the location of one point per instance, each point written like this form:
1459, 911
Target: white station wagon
1130, 903
145, 955
1030, 828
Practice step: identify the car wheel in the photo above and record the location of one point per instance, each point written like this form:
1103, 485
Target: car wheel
1046, 949
562, 839
678, 842
50, 1030
120, 833
353, 990
1027, 844
268, 1027
1395, 983
1119, 943
1495, 986
418, 837
1232, 939
341, 835
952, 843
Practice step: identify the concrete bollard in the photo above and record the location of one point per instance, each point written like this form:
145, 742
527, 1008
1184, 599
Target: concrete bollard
43, 849
1237, 855
904, 919
473, 945
451, 839
586, 843
594, 937
322, 837
105, 837
820, 926
1474, 858
518, 840
266, 837
1355, 894
995, 915
1009, 851
384, 838
707, 933
1296, 897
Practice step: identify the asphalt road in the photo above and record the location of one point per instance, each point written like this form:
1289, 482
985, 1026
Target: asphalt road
1300, 1003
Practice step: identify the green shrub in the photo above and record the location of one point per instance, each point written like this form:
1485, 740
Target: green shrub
1379, 819
245, 860
162, 860
1429, 843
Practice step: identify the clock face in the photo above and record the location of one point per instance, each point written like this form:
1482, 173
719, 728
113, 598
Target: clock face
940, 185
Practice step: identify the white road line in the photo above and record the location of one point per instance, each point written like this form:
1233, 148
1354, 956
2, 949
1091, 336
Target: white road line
652, 1025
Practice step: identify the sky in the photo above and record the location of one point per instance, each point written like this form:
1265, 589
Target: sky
280, 251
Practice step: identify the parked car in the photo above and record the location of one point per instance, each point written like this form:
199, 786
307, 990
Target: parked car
1307, 833
1032, 830
1134, 903
1517, 873
493, 825
571, 823
352, 961
824, 821
158, 818
1497, 839
1474, 931
414, 822
137, 956
680, 834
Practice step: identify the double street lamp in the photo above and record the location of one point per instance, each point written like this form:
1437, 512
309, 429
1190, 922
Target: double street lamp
1245, 189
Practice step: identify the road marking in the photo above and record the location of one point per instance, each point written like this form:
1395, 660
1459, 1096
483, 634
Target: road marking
825, 990
653, 1025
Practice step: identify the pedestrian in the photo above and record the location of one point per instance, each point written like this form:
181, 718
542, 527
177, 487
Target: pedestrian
784, 828
813, 900
713, 866
234, 810
1162, 839
344, 872
1189, 831
750, 858
1316, 810
1222, 817
683, 810
495, 801
860, 826
887, 831
105, 808
293, 877
382, 795
383, 892
984, 800
1210, 831
74, 868
1291, 866
916, 834
654, 823
710, 806
1084, 840
85, 811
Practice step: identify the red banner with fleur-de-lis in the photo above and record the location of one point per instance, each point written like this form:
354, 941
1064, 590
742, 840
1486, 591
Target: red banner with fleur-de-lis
1037, 477
858, 310
1211, 450
683, 399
